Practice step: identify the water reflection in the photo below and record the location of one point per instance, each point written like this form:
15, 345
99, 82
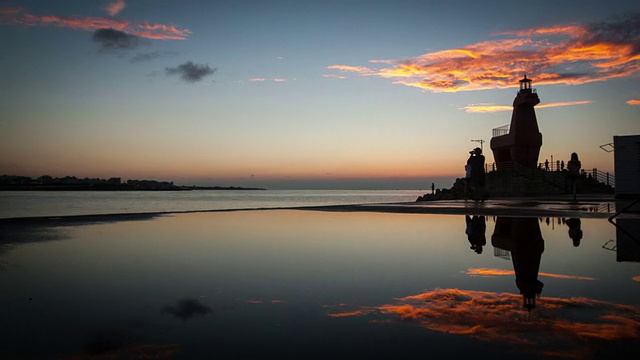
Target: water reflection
476, 228
569, 328
575, 231
257, 283
186, 309
523, 239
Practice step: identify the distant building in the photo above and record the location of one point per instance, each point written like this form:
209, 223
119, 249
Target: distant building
627, 165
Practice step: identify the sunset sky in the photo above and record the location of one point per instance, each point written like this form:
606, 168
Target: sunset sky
306, 94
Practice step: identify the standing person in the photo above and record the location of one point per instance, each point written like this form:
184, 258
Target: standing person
476, 162
546, 165
574, 167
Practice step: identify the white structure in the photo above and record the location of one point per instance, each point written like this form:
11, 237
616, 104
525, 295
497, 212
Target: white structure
627, 165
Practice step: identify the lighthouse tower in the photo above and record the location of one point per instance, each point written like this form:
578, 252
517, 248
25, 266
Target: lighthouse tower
522, 143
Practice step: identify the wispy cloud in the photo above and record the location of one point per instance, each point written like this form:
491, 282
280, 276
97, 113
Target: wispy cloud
20, 17
567, 54
490, 108
114, 7
498, 318
261, 79
148, 56
501, 272
634, 102
191, 72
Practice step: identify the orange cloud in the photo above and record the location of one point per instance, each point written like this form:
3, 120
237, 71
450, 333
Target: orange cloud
360, 70
257, 79
500, 272
636, 278
634, 102
487, 108
499, 318
564, 54
115, 7
18, 16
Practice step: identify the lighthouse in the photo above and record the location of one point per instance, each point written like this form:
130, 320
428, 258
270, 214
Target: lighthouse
523, 141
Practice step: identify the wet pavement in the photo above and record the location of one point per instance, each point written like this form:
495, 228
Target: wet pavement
594, 206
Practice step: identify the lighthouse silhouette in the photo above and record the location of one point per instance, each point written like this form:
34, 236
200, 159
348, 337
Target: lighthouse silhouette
522, 143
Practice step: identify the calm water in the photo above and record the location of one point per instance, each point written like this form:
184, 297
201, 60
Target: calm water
59, 203
305, 284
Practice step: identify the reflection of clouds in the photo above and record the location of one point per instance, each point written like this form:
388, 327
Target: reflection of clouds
572, 324
143, 351
186, 309
501, 272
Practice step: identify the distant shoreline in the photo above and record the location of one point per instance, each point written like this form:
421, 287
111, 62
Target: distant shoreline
122, 187
72, 183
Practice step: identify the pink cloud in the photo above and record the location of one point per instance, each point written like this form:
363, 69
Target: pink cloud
564, 54
115, 7
18, 16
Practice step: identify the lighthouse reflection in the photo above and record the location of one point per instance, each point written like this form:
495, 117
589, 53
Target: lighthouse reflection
523, 239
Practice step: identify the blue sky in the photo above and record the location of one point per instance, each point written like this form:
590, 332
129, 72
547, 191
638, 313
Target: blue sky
305, 94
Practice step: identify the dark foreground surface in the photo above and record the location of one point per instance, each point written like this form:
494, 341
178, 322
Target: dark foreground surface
319, 284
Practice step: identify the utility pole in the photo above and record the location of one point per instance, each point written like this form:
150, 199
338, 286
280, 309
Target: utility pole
481, 144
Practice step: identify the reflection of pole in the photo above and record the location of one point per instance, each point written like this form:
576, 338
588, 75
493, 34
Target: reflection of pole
481, 144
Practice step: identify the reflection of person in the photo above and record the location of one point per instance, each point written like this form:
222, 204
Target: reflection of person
476, 228
522, 237
575, 232
476, 165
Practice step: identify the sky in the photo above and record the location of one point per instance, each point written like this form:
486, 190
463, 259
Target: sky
306, 94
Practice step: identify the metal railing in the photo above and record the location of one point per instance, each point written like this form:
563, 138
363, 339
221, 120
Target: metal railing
502, 130
600, 176
554, 173
553, 178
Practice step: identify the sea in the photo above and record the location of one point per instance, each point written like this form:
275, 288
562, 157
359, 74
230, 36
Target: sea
18, 204
291, 284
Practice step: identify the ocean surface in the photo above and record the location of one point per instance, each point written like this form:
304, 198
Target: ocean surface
61, 203
290, 284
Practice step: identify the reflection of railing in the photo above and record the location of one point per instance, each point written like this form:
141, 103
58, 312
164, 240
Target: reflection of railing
502, 130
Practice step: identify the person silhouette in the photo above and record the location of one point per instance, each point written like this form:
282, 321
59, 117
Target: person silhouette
574, 167
476, 163
476, 228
